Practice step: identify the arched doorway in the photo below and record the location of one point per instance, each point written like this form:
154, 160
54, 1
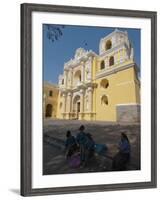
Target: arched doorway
76, 106
49, 109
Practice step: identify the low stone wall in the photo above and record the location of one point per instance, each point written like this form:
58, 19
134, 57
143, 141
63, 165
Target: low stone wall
128, 113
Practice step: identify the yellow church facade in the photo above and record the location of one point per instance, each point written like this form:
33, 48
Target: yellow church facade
102, 87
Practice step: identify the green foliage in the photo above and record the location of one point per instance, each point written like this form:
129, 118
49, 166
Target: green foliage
54, 32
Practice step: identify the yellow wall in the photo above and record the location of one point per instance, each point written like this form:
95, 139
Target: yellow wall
59, 110
122, 89
53, 100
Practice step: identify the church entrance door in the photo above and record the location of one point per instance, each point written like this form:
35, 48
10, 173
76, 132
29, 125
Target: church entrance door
49, 109
76, 106
78, 109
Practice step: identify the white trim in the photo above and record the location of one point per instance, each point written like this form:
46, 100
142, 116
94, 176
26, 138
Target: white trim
114, 70
113, 50
113, 33
128, 104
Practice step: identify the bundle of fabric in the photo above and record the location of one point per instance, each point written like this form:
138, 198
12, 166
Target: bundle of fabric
74, 161
101, 149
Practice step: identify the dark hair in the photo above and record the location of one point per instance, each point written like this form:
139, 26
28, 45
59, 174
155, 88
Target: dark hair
68, 134
81, 128
124, 136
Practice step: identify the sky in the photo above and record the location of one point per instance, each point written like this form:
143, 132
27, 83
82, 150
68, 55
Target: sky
56, 53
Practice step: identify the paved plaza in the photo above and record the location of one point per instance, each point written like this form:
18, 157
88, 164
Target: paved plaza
108, 133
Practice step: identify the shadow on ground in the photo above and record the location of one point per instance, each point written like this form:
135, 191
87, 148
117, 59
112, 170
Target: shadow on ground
108, 133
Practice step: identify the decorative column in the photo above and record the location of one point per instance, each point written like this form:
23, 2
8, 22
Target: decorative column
65, 78
83, 72
81, 104
68, 108
90, 95
117, 57
127, 55
106, 62
70, 78
89, 68
64, 105
121, 56
132, 54
44, 105
124, 54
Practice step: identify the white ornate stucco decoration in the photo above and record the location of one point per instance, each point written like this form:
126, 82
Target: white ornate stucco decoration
132, 53
88, 69
80, 52
60, 79
116, 38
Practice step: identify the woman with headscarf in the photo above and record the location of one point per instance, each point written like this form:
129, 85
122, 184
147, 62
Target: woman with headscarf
121, 159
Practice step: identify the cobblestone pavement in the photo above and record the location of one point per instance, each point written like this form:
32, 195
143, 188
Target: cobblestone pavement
108, 133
